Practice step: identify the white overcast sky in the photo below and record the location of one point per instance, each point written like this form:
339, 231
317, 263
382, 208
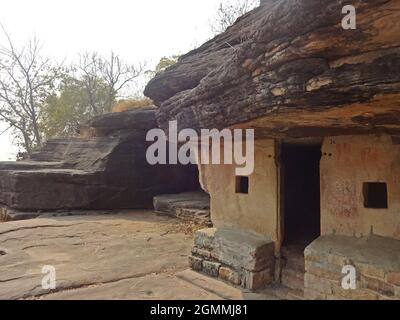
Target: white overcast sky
138, 30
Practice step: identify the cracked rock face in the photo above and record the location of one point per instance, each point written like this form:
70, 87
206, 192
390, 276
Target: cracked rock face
289, 69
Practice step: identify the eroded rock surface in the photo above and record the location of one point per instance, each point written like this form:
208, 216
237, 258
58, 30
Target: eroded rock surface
129, 255
288, 68
91, 251
104, 168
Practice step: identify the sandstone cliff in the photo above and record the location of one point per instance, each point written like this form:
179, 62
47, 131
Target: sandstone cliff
288, 68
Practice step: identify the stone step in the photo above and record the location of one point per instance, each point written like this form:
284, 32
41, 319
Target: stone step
294, 294
293, 259
292, 279
188, 206
282, 292
228, 292
212, 285
294, 263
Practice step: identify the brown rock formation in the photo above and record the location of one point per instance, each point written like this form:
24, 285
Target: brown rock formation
290, 69
104, 168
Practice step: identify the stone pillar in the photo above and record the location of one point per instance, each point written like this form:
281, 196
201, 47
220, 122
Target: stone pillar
236, 256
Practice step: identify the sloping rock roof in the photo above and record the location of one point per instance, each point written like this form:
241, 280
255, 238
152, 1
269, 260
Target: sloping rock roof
290, 69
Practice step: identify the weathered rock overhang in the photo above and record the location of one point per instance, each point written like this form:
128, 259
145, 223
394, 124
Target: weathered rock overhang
289, 69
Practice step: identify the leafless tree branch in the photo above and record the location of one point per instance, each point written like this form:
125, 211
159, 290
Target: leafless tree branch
26, 79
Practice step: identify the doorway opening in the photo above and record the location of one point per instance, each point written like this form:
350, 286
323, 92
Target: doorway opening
300, 207
301, 193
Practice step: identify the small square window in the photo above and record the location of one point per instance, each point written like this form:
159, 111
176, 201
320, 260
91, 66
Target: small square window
375, 195
242, 185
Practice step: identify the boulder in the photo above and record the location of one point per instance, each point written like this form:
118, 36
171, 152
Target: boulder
104, 168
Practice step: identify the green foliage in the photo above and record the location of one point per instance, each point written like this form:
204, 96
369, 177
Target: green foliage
162, 65
166, 62
62, 114
89, 88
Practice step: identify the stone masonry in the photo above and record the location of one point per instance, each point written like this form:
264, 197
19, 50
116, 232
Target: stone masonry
188, 206
376, 260
238, 257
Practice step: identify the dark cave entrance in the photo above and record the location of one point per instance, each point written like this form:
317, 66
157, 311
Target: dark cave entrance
300, 193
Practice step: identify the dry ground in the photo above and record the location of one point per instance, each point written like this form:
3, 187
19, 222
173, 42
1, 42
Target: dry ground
132, 255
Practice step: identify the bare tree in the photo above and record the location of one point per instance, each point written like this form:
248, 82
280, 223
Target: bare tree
107, 76
26, 79
89, 79
229, 11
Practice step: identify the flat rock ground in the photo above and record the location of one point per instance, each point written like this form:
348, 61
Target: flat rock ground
131, 255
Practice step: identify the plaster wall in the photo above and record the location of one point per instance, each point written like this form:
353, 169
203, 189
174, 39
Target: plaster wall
347, 162
256, 211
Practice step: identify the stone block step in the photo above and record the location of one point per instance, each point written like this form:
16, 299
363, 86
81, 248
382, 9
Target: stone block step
228, 292
282, 292
293, 258
188, 206
295, 263
292, 279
